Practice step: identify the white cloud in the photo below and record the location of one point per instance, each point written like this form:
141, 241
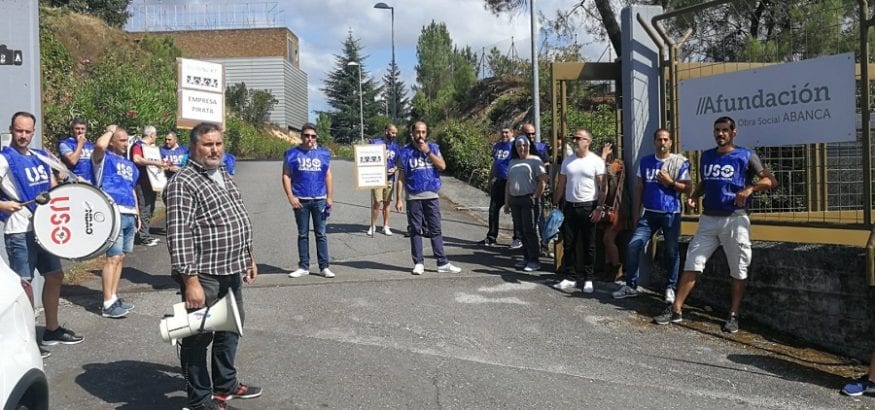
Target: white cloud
322, 26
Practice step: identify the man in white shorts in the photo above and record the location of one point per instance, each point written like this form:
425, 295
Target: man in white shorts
727, 184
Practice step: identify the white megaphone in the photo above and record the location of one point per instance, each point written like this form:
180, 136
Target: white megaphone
223, 316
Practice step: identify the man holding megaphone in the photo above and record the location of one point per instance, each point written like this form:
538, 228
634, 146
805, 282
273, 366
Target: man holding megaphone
209, 236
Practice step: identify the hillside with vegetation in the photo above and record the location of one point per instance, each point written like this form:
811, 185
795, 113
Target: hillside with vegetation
99, 72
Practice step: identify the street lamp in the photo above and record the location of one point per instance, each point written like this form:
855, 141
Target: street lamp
361, 102
385, 6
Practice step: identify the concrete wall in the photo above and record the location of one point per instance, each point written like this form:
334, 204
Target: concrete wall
257, 42
816, 293
287, 83
641, 105
264, 59
20, 80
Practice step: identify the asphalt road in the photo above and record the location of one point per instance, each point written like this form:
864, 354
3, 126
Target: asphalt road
376, 336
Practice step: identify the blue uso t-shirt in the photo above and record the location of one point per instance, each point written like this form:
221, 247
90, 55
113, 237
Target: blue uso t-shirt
308, 169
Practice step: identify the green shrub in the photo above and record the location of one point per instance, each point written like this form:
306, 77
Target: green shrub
466, 149
246, 141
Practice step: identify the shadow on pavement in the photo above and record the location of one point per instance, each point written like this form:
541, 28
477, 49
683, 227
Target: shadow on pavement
265, 269
156, 281
789, 370
132, 384
371, 265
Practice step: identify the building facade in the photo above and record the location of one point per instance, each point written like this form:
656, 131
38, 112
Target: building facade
262, 58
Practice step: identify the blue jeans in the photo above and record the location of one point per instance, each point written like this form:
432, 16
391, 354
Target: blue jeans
311, 209
424, 215
193, 349
670, 223
25, 255
125, 241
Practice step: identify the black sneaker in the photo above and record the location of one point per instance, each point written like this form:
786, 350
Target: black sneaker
44, 353
488, 242
61, 336
244, 391
668, 316
731, 324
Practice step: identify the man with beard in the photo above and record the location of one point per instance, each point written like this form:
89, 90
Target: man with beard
727, 173
381, 198
309, 187
76, 150
501, 152
420, 167
662, 178
115, 175
209, 236
23, 176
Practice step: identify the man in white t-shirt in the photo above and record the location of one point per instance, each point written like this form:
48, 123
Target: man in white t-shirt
23, 177
581, 182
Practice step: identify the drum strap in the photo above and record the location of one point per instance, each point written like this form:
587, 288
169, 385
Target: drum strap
30, 176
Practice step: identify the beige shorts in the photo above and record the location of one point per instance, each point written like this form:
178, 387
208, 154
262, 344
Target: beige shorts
733, 232
383, 194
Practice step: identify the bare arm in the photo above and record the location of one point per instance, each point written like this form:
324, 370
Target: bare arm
437, 161
399, 204
140, 160
694, 196
540, 185
71, 158
101, 144
766, 182
637, 200
287, 187
560, 189
329, 187
603, 190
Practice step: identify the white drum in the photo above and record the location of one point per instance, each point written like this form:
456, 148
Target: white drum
79, 222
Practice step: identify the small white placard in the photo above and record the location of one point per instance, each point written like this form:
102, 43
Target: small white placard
201, 106
201, 75
370, 166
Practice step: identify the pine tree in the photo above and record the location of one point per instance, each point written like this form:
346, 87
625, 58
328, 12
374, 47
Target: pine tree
402, 102
444, 74
342, 91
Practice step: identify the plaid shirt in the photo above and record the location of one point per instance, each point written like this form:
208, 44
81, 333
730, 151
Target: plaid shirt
208, 229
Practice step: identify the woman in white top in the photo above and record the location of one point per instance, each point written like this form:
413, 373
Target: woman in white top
526, 179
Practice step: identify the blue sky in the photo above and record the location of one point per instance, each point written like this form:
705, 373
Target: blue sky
322, 25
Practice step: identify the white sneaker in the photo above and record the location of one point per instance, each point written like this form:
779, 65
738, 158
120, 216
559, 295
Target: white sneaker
371, 231
327, 273
298, 273
449, 268
532, 266
587, 287
565, 285
418, 269
387, 231
669, 295
625, 292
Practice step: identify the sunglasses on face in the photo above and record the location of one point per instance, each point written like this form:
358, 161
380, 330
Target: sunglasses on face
309, 136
